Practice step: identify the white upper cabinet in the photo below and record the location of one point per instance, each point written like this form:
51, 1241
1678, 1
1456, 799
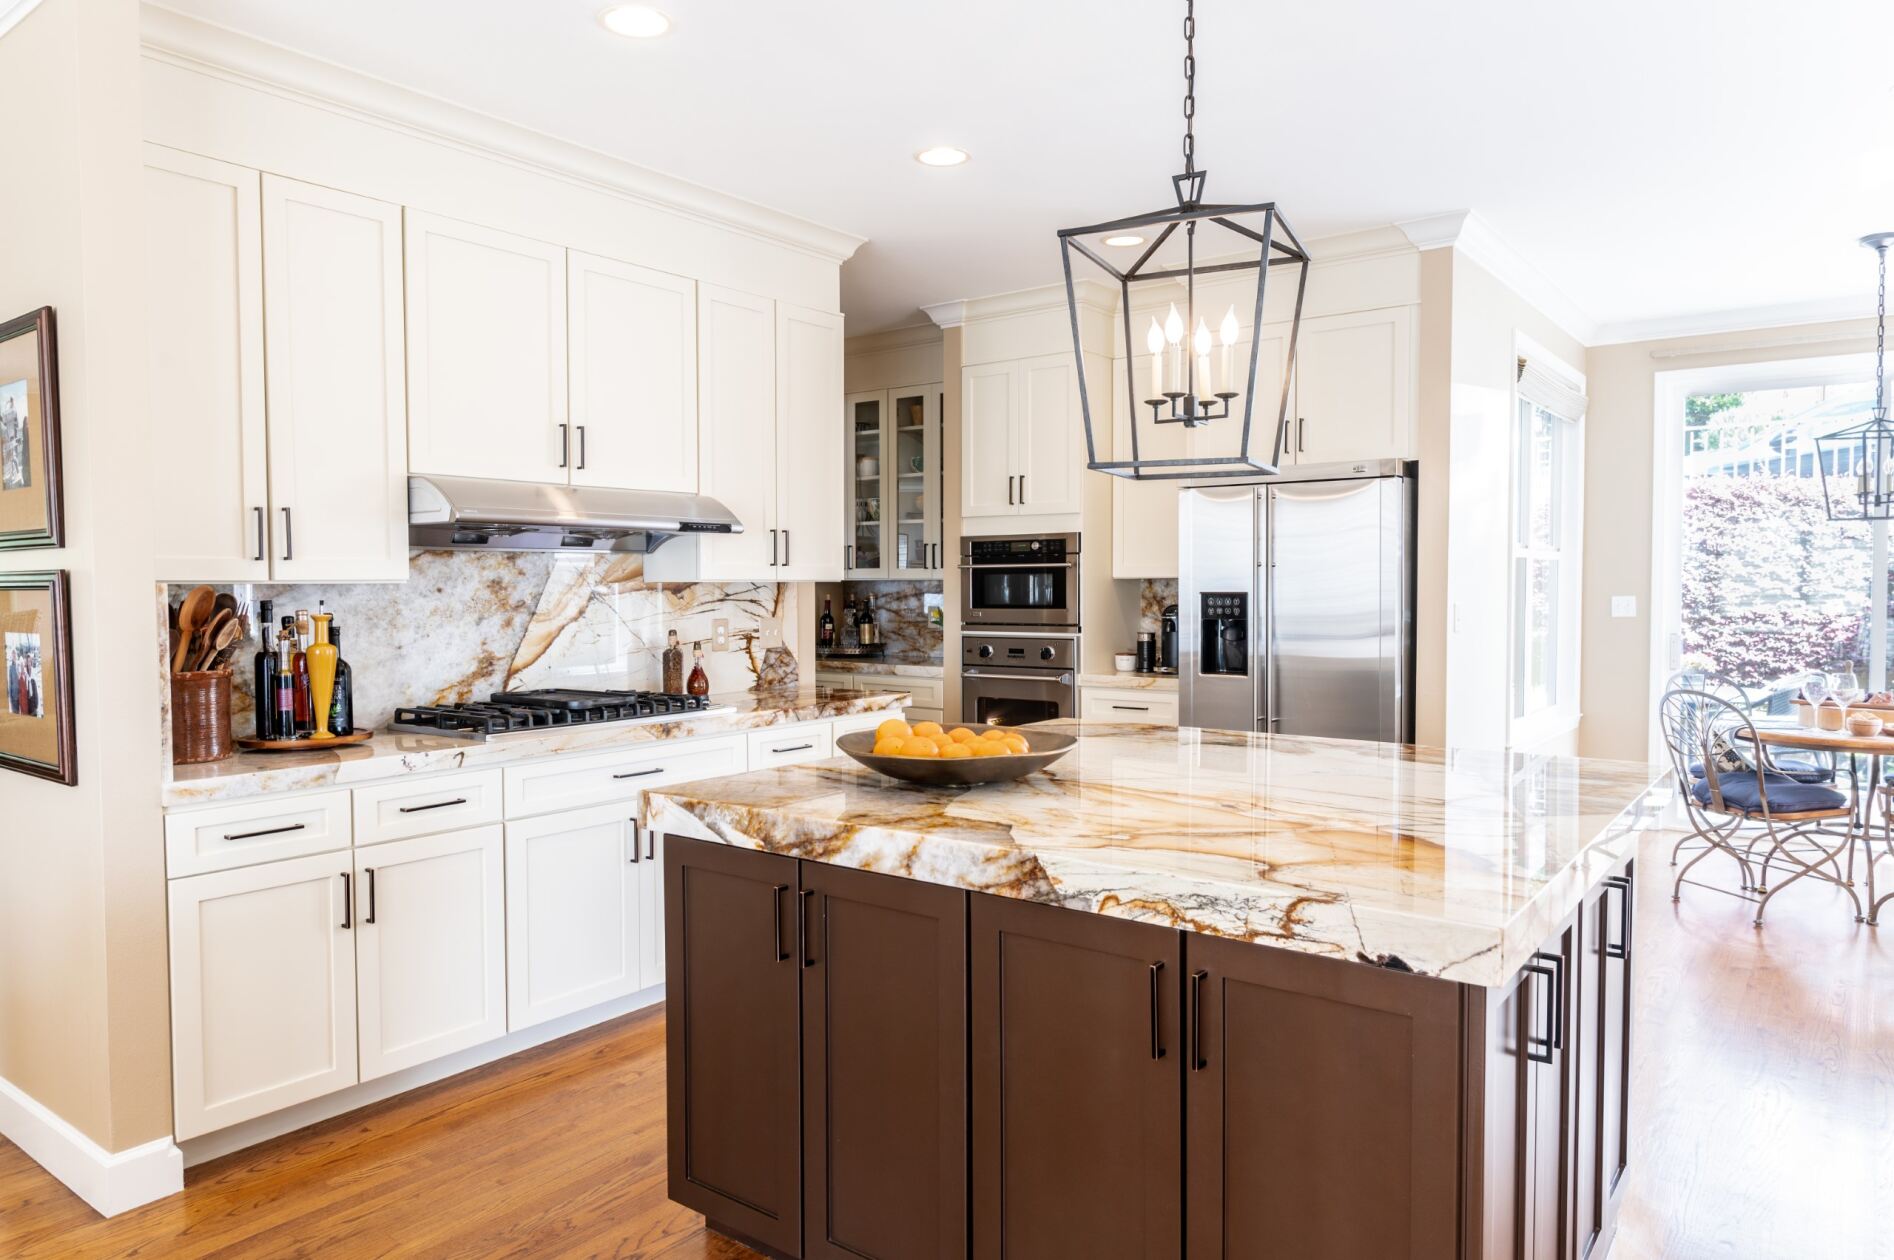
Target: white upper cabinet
809, 443
1354, 387
486, 353
736, 436
430, 947
204, 332
633, 375
1022, 444
338, 441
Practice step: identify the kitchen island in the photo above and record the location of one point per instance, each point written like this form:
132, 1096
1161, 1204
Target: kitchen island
1185, 993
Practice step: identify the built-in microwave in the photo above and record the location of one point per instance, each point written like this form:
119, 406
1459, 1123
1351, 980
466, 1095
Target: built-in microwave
1023, 581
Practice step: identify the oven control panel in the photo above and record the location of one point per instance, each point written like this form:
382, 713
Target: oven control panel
1017, 550
1019, 651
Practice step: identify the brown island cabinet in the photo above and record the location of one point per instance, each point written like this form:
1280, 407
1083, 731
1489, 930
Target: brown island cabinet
867, 1065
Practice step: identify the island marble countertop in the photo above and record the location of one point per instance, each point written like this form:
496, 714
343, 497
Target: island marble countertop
1455, 864
391, 755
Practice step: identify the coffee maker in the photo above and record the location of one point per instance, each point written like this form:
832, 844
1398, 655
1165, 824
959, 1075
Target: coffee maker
1167, 641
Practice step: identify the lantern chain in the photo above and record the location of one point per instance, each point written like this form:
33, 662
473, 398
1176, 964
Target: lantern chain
1190, 86
1880, 336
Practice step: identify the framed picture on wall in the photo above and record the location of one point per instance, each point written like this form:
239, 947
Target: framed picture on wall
29, 434
36, 729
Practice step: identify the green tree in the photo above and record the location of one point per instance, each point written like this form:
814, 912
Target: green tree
1702, 408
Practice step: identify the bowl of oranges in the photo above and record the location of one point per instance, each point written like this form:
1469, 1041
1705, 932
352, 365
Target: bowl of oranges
956, 756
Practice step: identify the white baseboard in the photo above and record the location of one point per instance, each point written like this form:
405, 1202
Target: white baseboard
263, 1128
111, 1181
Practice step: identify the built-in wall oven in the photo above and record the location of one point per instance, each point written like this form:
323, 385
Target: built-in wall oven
1010, 678
1019, 582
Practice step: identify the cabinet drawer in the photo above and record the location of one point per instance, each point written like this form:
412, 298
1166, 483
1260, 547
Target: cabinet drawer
395, 811
791, 745
224, 837
540, 787
1102, 704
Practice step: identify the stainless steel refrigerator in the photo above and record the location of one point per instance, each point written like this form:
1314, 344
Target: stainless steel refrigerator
1295, 603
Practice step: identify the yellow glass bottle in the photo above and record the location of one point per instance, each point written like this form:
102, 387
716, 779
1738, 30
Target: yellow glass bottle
322, 656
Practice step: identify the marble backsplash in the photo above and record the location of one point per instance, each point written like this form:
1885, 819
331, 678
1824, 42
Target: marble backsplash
901, 611
467, 624
1154, 596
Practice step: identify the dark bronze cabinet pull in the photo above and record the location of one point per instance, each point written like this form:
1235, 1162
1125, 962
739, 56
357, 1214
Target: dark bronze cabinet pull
348, 902
1557, 962
1133, 708
416, 809
267, 831
639, 774
259, 533
776, 907
370, 872
1022, 489
289, 538
1534, 1053
1157, 1043
793, 748
802, 924
1009, 492
650, 845
785, 548
634, 842
1622, 885
1197, 1061
581, 446
565, 446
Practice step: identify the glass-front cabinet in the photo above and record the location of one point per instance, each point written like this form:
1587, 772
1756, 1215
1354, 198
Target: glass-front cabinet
895, 471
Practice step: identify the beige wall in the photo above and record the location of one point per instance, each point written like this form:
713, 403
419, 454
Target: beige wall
1619, 492
83, 1022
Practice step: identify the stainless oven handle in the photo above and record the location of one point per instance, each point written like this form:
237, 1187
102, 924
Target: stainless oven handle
1018, 564
1063, 679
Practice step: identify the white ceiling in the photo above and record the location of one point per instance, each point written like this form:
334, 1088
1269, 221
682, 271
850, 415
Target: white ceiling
1656, 159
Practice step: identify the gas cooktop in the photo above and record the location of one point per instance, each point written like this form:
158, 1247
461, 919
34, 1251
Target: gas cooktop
511, 712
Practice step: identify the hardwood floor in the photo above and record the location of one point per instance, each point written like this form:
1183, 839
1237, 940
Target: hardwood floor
1763, 1091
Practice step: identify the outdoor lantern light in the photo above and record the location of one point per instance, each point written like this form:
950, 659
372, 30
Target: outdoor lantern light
1179, 284
1858, 463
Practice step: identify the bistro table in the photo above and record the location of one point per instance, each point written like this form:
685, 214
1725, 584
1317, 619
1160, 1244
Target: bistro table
1875, 748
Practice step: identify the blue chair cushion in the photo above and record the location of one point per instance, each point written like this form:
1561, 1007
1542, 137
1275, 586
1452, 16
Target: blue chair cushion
1786, 796
1788, 767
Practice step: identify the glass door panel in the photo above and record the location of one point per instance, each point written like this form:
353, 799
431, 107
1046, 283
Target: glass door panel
912, 475
866, 462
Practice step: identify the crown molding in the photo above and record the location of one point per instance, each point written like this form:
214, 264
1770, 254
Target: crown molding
192, 44
12, 12
901, 338
1783, 315
1093, 294
1467, 232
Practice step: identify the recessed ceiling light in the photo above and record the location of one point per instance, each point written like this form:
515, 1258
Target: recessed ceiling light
1124, 242
635, 21
941, 155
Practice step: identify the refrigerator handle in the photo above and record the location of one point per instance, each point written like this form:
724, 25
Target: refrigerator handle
1266, 592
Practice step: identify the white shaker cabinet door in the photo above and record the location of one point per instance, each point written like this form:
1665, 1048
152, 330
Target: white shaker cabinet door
573, 896
1050, 441
204, 337
486, 353
736, 437
430, 946
634, 376
1354, 387
989, 398
337, 385
809, 443
262, 989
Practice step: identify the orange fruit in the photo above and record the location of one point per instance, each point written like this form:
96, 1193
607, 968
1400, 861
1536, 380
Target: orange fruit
987, 748
893, 728
917, 746
1017, 743
927, 728
888, 747
961, 735
950, 751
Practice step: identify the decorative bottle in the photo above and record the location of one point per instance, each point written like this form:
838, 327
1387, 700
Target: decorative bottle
673, 665
342, 707
825, 627
319, 658
699, 684
264, 679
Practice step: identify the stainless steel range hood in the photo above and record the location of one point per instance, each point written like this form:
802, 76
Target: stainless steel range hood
471, 512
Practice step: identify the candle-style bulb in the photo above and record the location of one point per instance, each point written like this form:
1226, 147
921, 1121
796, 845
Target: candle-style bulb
1227, 330
1200, 340
1174, 326
1154, 340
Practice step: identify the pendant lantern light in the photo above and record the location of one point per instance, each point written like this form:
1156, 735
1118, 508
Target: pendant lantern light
1858, 463
1178, 371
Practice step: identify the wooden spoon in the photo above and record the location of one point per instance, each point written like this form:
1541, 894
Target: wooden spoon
207, 633
192, 613
218, 639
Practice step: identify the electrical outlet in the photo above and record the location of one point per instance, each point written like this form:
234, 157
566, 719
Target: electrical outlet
720, 635
1624, 605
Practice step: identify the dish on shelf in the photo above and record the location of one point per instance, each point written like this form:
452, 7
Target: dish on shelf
1046, 747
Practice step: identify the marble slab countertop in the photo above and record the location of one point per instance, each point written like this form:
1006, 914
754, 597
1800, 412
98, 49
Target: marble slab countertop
391, 755
870, 665
1455, 864
1131, 681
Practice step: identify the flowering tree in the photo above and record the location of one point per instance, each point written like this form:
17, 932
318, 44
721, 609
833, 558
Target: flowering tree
1771, 586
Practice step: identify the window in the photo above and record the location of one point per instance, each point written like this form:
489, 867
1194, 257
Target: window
1547, 507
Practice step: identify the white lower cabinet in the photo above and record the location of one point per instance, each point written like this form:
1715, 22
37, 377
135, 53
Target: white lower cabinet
575, 909
430, 945
1128, 704
262, 989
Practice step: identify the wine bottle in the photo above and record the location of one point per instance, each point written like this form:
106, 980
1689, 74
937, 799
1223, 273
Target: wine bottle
286, 680
299, 670
825, 627
699, 684
263, 681
342, 707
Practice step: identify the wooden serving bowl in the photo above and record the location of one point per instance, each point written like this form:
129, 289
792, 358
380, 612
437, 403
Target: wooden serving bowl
1047, 747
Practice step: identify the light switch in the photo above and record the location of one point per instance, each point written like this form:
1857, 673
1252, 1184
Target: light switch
1624, 605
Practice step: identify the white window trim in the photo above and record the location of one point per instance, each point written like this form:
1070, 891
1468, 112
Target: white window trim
1563, 717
